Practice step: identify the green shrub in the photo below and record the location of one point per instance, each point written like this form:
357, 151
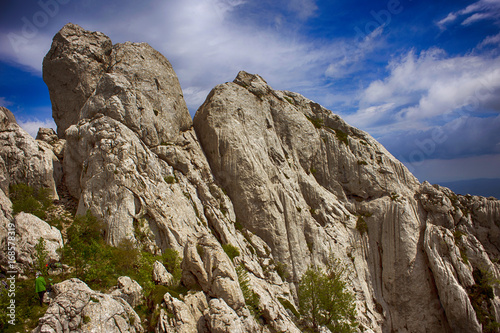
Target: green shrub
324, 299
282, 270
31, 200
361, 225
317, 122
172, 262
41, 255
342, 136
231, 251
170, 179
361, 162
481, 295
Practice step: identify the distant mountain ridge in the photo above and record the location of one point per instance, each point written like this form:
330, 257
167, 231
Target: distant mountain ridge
486, 187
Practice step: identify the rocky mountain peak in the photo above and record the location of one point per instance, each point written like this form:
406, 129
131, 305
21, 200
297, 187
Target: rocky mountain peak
129, 82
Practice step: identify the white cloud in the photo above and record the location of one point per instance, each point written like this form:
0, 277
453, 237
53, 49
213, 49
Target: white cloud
303, 8
478, 11
32, 125
422, 87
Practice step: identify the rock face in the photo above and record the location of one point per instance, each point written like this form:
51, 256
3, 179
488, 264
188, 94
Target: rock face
72, 69
130, 82
77, 308
273, 174
161, 275
129, 290
23, 159
30, 229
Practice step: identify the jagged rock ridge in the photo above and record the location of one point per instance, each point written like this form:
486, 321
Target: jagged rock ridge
270, 172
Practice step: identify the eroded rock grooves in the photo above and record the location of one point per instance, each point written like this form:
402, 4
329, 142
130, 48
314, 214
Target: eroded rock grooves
274, 174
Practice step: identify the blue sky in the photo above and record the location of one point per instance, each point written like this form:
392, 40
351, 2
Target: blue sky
423, 77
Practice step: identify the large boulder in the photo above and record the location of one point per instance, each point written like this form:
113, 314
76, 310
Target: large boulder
183, 316
29, 230
129, 290
77, 308
206, 264
222, 319
161, 275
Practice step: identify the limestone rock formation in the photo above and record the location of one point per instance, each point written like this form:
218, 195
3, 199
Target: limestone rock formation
71, 70
129, 82
161, 275
284, 181
129, 290
23, 159
206, 264
180, 317
77, 308
30, 229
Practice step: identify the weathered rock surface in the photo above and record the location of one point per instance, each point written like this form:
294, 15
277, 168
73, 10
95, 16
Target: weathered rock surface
183, 316
77, 308
7, 229
161, 275
206, 264
272, 173
29, 229
23, 159
222, 319
71, 70
49, 135
129, 290
129, 82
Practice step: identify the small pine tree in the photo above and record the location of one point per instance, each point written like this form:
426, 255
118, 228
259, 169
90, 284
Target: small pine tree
41, 255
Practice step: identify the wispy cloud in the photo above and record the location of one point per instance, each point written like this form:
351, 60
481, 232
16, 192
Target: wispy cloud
490, 40
4, 102
478, 11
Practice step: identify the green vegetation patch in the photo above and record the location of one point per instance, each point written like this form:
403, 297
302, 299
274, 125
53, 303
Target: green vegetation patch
252, 299
342, 136
31, 200
324, 299
231, 251
317, 122
481, 295
361, 225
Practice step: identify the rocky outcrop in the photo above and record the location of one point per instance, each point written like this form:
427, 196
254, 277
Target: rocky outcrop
129, 290
29, 230
71, 70
23, 159
129, 82
205, 264
161, 275
77, 308
183, 316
